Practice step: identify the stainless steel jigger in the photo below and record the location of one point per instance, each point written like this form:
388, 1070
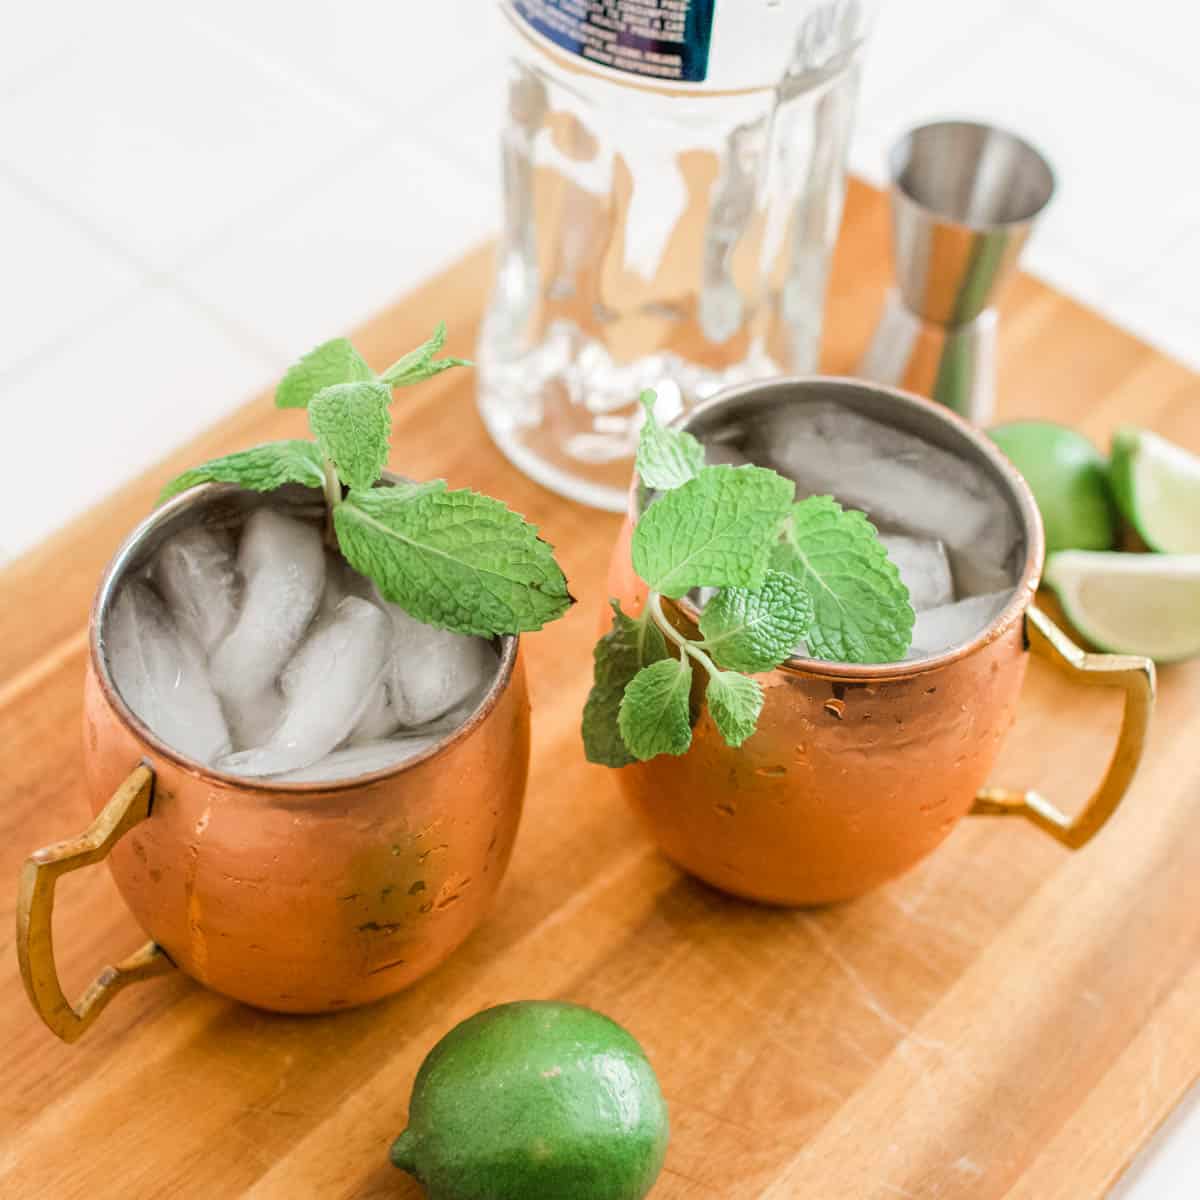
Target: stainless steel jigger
964, 199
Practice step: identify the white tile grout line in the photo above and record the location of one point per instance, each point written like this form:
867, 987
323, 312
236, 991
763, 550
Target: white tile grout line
1156, 74
150, 277
166, 274
348, 103
1020, 12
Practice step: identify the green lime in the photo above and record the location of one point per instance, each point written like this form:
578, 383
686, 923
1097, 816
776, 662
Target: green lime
536, 1100
1069, 480
1157, 485
1131, 603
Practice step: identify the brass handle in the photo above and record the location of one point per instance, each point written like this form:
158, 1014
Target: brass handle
35, 908
1132, 674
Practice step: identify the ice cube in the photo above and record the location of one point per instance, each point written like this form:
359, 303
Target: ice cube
899, 480
924, 569
378, 718
254, 718
197, 576
949, 625
432, 670
160, 672
975, 575
283, 567
327, 686
342, 580
362, 759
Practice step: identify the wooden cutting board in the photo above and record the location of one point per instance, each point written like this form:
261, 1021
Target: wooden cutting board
1007, 1020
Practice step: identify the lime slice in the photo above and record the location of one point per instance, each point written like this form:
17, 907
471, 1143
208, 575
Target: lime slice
1069, 480
1131, 603
1157, 485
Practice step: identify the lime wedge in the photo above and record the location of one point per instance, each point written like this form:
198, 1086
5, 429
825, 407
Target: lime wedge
1157, 486
1131, 603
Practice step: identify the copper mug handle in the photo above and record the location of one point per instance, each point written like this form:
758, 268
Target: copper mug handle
1131, 673
130, 804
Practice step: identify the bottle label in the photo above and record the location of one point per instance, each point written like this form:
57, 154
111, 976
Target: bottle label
665, 39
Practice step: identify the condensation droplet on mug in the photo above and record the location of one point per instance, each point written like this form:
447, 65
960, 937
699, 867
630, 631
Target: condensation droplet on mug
835, 708
775, 772
725, 808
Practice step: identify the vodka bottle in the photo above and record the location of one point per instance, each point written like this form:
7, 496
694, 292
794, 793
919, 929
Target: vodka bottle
673, 176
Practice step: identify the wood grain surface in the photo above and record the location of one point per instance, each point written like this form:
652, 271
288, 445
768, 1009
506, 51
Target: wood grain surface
1008, 1020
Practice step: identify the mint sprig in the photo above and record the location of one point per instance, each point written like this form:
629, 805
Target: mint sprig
715, 530
353, 427
861, 609
654, 717
790, 575
332, 362
261, 469
748, 630
666, 458
454, 559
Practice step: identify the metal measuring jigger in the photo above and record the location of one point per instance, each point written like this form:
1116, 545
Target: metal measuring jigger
964, 199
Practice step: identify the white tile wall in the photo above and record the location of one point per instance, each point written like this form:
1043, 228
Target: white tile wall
190, 197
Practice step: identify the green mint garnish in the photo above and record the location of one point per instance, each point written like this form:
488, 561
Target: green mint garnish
332, 362
787, 573
457, 559
755, 631
654, 717
666, 458
734, 702
420, 363
353, 427
861, 611
631, 644
716, 530
260, 469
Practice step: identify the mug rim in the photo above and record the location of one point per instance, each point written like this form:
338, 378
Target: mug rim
114, 572
1035, 547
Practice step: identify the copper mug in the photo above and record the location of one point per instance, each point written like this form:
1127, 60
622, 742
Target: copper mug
291, 897
857, 772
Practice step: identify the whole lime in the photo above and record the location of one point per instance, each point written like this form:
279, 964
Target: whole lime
1069, 480
535, 1100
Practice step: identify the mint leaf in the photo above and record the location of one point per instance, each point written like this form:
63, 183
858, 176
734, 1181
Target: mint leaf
454, 559
654, 717
755, 631
631, 644
666, 458
714, 531
261, 469
420, 364
861, 611
352, 426
332, 362
735, 703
